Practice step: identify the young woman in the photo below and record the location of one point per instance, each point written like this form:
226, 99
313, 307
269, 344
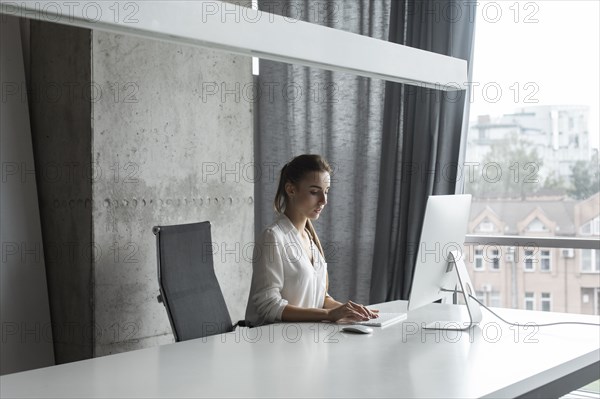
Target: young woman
289, 272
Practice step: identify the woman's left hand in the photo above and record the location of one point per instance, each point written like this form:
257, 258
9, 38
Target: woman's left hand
361, 310
370, 313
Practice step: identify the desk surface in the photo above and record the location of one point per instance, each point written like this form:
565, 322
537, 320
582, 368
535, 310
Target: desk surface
318, 360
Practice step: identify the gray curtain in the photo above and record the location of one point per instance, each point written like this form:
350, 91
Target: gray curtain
371, 132
339, 116
421, 141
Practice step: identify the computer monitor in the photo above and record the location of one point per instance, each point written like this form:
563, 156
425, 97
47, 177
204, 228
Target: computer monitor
439, 268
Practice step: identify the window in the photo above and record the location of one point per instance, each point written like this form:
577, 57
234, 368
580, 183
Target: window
586, 229
590, 300
486, 226
495, 261
546, 302
480, 295
529, 260
536, 225
478, 265
529, 301
545, 260
530, 162
496, 299
482, 134
590, 261
591, 228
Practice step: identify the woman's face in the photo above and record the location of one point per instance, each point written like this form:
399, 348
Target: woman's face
309, 197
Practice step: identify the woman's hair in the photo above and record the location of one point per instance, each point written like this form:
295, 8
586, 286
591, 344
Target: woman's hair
293, 172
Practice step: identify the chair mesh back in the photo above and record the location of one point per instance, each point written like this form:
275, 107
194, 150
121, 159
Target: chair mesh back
188, 283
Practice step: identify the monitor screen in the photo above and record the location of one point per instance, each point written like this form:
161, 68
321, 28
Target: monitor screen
444, 229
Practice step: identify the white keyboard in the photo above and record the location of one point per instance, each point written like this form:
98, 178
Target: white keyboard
384, 320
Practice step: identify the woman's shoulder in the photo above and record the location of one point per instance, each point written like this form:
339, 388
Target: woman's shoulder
277, 228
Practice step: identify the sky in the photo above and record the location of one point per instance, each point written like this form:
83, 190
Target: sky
544, 50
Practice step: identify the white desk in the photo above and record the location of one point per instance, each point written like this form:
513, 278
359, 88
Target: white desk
318, 360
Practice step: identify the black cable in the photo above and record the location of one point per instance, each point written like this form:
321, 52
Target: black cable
531, 325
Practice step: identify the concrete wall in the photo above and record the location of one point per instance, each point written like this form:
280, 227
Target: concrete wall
24, 310
161, 150
149, 147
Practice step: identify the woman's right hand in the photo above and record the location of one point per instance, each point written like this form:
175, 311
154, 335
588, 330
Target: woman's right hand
352, 312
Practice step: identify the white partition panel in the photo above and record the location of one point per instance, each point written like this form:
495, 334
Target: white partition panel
241, 30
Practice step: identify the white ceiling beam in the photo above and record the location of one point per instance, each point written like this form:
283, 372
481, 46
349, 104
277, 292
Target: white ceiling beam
241, 30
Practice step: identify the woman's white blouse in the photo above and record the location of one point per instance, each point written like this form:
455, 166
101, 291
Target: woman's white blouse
282, 274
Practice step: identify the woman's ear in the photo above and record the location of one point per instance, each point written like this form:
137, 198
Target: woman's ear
290, 190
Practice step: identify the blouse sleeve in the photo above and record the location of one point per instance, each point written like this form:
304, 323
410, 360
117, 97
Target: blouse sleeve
267, 278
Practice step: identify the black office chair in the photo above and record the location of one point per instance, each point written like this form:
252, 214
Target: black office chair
189, 288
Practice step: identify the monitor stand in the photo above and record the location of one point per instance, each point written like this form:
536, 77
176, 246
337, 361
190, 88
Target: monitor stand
464, 286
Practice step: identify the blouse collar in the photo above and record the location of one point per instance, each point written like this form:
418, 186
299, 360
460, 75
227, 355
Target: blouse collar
286, 224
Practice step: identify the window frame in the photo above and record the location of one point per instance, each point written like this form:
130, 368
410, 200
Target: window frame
530, 258
543, 258
594, 261
495, 260
544, 300
529, 300
478, 257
